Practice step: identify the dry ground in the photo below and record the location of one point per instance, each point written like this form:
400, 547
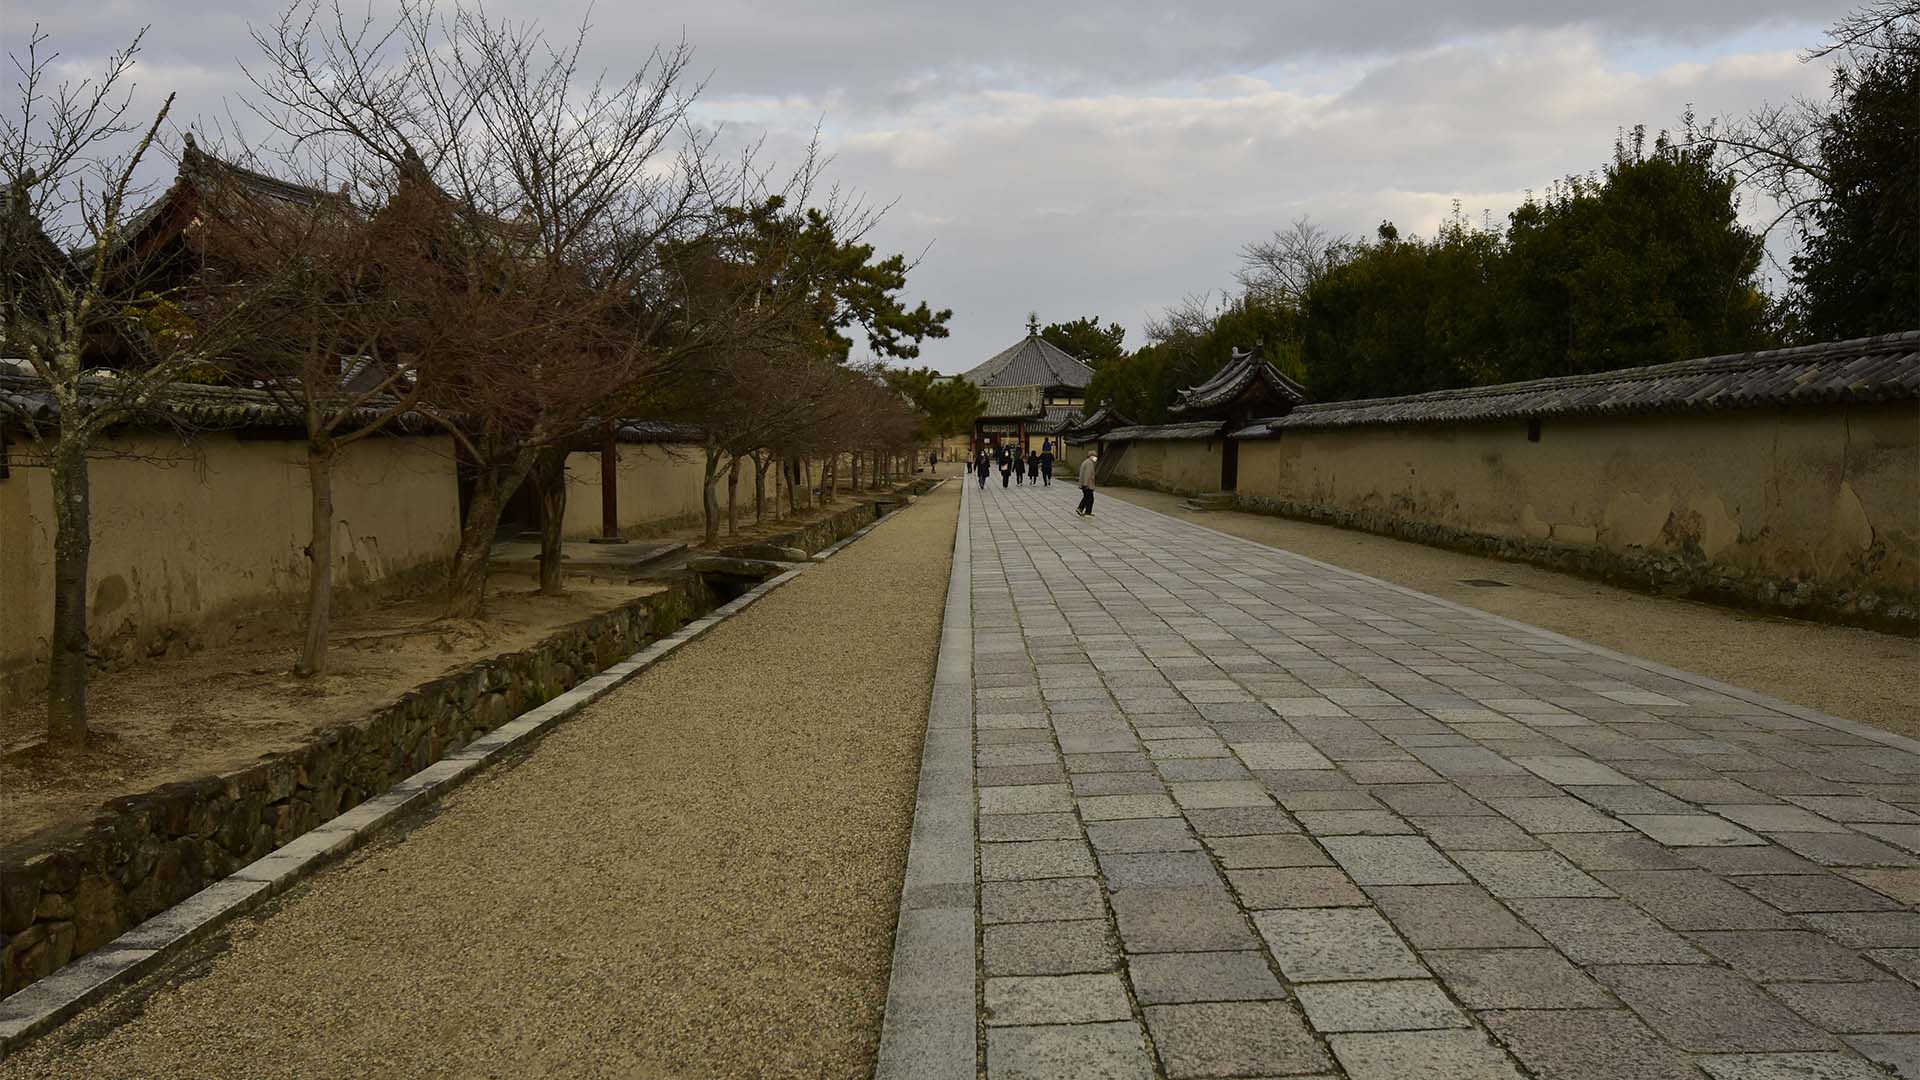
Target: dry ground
696, 877
1857, 674
220, 708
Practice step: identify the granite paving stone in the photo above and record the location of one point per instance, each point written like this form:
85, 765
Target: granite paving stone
1815, 892
1525, 874
1326, 944
1899, 1053
1180, 920
1034, 859
1258, 852
1421, 1055
1588, 1044
1055, 999
1049, 900
1515, 979
1142, 834
1242, 814
1452, 917
1606, 932
1049, 948
1392, 860
1813, 1066
1240, 1038
1173, 978
1779, 955
1297, 887
1710, 1010
1113, 1051
1394, 1005
1691, 830
1854, 1007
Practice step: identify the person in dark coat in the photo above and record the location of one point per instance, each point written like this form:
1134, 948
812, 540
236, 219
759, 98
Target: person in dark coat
1019, 467
980, 466
1006, 468
1033, 467
1046, 465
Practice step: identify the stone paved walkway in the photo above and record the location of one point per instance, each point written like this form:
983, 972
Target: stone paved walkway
1244, 814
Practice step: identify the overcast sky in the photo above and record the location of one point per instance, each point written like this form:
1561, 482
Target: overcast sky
1106, 157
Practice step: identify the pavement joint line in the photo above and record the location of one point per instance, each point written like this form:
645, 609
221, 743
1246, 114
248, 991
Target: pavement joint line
928, 1031
39, 1008
1751, 697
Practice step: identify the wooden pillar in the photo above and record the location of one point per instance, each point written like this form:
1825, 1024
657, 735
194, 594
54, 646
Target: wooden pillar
609, 489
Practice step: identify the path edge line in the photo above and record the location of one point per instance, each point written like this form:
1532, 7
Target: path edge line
1704, 682
928, 1031
43, 1006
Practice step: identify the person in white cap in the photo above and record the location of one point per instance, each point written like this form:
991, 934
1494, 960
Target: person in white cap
1086, 485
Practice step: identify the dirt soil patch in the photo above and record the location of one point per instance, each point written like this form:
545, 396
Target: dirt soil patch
698, 876
1844, 671
208, 712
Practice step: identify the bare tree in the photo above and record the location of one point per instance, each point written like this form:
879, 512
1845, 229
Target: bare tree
337, 342
104, 331
554, 196
1283, 268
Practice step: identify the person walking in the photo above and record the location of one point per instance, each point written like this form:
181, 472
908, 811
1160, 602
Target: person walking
1046, 465
1033, 467
1019, 468
1086, 485
980, 466
1006, 467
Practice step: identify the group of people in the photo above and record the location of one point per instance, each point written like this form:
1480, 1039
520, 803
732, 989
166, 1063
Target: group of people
1036, 469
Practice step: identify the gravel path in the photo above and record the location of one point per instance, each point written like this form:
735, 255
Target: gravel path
697, 877
1840, 670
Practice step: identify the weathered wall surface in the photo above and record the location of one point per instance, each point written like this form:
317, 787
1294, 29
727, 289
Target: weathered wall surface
189, 535
659, 487
1807, 508
1181, 466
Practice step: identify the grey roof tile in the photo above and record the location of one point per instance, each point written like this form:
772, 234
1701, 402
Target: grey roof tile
1033, 361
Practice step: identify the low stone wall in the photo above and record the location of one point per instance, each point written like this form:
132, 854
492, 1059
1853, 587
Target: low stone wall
68, 890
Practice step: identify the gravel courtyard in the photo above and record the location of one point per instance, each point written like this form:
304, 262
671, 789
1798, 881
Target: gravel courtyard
696, 877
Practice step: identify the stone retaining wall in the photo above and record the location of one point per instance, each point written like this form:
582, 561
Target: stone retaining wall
68, 890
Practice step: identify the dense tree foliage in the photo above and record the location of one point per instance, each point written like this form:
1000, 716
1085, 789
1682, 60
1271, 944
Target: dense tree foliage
947, 406
1086, 339
1858, 269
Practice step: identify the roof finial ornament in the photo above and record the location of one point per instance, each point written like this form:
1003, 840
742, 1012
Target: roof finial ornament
1033, 324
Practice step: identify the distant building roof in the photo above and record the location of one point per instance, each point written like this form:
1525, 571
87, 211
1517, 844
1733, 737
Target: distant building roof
1012, 402
1058, 419
1246, 377
190, 405
1033, 361
1884, 368
1193, 429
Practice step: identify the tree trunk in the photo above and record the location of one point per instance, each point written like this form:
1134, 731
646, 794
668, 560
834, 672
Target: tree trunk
550, 481
313, 651
733, 497
72, 545
709, 502
493, 485
760, 489
812, 496
792, 468
853, 472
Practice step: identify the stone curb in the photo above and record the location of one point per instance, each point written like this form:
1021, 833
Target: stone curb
37, 1009
1752, 697
928, 1032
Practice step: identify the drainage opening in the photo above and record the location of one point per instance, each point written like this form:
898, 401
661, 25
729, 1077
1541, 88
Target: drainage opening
1483, 583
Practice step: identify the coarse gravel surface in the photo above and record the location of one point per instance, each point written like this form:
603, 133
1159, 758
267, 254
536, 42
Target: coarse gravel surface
1843, 671
698, 876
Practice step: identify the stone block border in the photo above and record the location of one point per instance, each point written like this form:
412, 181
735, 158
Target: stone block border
929, 1032
48, 1002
